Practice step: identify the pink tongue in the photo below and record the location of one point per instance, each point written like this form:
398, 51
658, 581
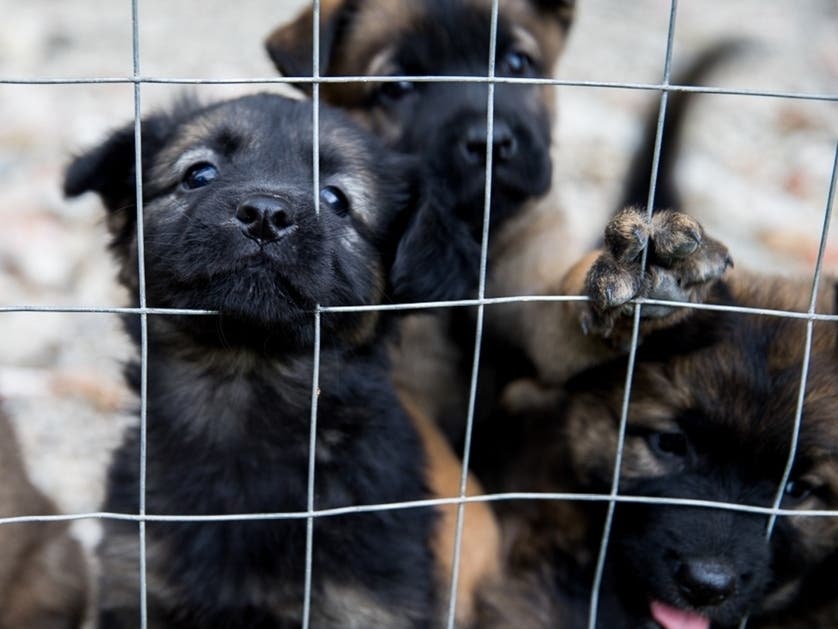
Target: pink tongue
674, 618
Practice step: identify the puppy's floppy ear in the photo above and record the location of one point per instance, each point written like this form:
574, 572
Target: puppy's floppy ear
109, 171
290, 45
437, 258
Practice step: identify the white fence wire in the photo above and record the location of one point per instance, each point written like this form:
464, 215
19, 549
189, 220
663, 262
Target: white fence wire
137, 79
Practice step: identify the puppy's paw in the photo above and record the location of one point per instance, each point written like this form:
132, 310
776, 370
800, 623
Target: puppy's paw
682, 264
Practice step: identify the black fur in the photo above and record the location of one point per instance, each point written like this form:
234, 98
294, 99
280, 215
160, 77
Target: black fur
439, 257
448, 129
229, 395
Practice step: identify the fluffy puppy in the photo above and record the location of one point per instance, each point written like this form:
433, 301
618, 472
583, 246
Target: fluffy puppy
230, 226
43, 574
445, 124
711, 418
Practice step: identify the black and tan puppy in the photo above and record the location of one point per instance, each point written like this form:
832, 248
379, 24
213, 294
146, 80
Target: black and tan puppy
445, 124
711, 418
230, 226
43, 574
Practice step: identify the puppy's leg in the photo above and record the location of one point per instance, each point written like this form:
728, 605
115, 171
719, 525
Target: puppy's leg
683, 264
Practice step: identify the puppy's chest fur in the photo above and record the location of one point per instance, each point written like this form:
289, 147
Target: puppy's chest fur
232, 436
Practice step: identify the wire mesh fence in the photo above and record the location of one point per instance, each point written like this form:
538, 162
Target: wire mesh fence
138, 80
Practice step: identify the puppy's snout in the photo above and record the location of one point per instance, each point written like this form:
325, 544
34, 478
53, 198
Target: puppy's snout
705, 582
264, 218
473, 143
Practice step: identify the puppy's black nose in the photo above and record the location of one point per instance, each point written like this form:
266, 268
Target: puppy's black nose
264, 218
705, 581
473, 143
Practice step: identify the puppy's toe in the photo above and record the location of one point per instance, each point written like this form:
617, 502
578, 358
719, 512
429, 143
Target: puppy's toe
707, 264
626, 234
610, 284
675, 236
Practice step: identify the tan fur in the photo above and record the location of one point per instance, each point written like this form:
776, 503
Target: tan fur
480, 547
43, 576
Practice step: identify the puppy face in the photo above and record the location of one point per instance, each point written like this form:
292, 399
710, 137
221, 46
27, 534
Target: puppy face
715, 424
444, 123
229, 214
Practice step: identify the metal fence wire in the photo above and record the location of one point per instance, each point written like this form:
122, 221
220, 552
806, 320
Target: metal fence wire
664, 87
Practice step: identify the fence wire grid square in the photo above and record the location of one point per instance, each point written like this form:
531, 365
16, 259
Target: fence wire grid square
138, 80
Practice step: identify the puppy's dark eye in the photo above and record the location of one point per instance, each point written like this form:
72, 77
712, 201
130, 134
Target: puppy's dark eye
334, 198
396, 90
516, 63
799, 489
199, 175
669, 444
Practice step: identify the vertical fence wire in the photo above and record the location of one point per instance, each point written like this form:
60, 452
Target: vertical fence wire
810, 324
478, 335
138, 180
635, 331
315, 377
807, 353
312, 447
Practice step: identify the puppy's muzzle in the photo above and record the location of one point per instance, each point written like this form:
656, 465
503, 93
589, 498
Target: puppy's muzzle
473, 143
265, 218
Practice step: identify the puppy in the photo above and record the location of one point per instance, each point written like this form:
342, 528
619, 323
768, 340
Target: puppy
711, 417
230, 226
445, 124
43, 575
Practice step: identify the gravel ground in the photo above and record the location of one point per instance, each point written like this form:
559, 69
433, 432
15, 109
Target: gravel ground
754, 169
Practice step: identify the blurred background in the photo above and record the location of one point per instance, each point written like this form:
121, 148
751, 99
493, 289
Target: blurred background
754, 169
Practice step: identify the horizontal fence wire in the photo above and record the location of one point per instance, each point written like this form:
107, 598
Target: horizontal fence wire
612, 498
654, 87
430, 502
432, 305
